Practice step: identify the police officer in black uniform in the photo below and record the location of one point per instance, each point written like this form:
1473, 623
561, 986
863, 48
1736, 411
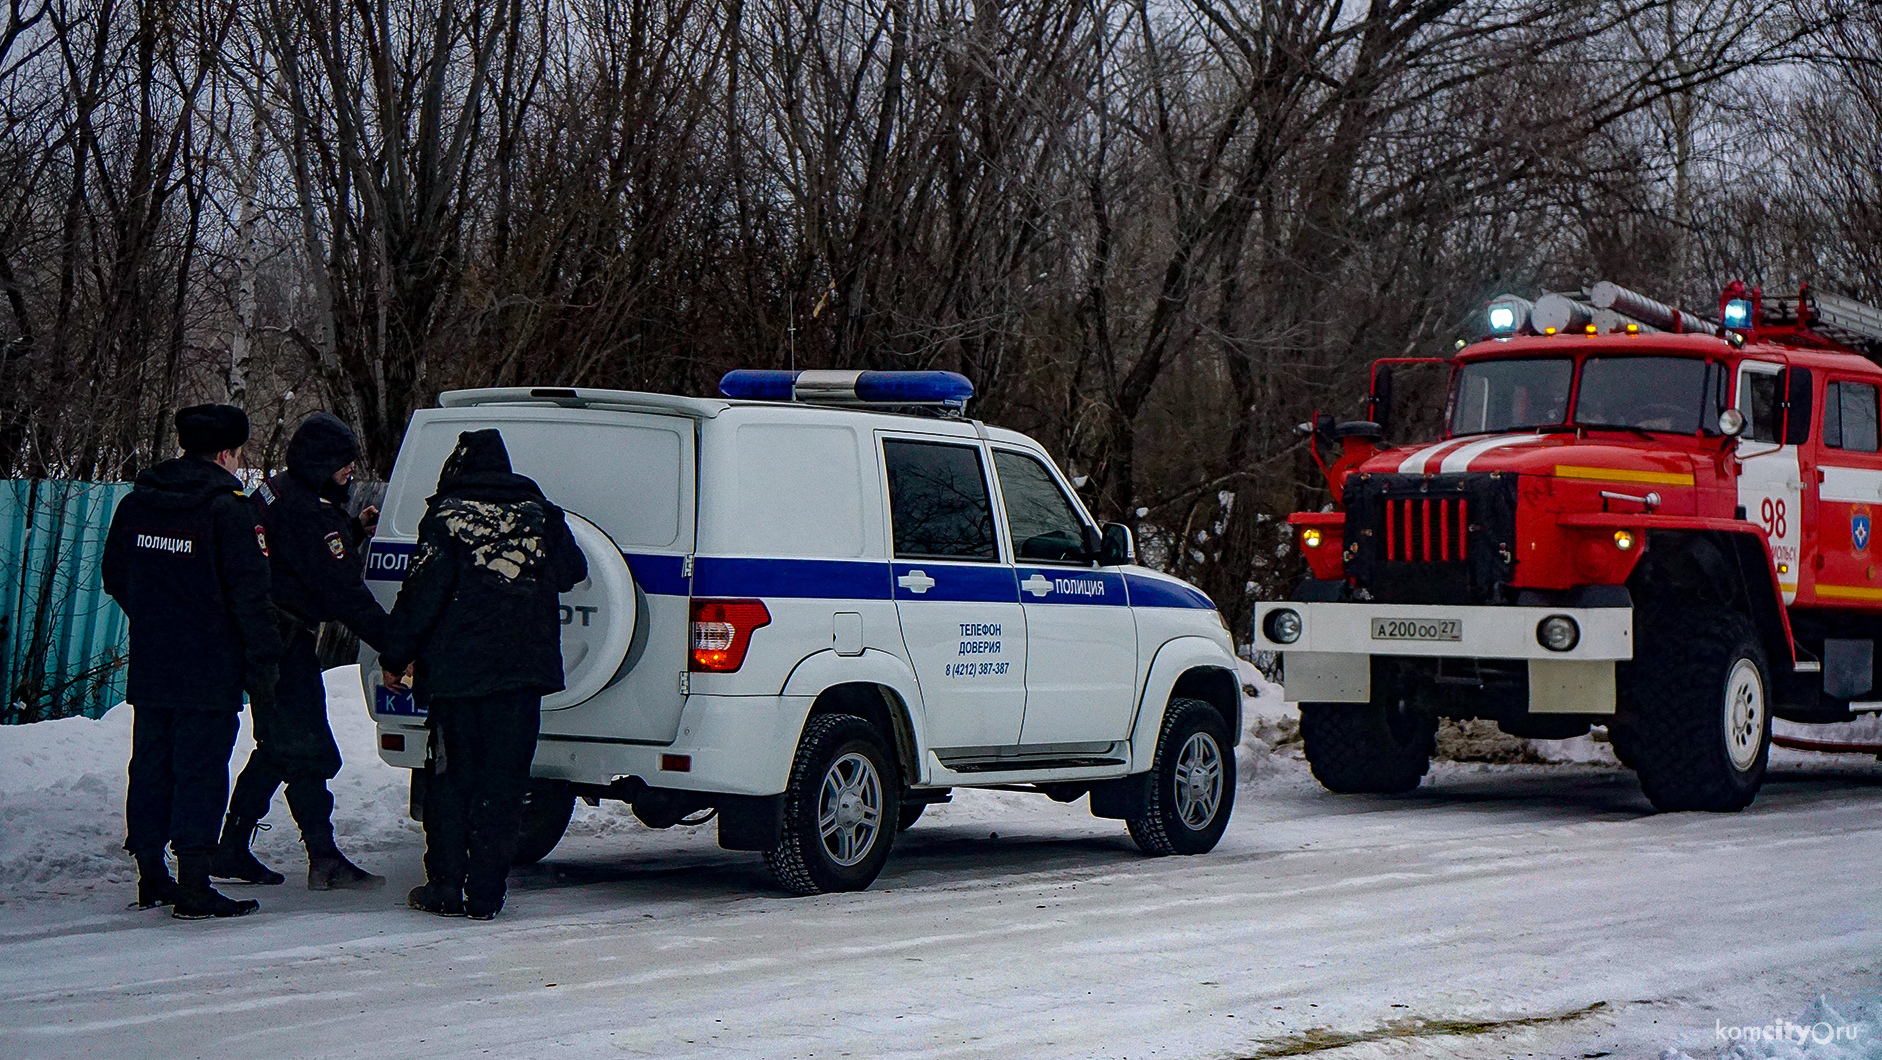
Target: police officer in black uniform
187, 559
480, 615
318, 559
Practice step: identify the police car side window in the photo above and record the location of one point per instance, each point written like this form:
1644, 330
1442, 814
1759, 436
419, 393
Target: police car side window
938, 502
1044, 524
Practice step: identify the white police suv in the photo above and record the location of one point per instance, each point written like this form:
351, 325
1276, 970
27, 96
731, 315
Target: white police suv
818, 604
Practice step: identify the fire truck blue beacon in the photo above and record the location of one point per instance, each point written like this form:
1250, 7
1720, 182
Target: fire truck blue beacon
822, 601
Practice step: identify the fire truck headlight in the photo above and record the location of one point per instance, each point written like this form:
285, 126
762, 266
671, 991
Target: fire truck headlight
1282, 626
1558, 633
1624, 540
1738, 313
1310, 538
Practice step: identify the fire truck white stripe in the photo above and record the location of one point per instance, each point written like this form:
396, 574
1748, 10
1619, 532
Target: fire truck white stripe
1459, 459
1415, 463
1850, 485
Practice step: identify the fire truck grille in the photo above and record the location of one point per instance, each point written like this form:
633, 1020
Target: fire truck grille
1431, 538
1427, 530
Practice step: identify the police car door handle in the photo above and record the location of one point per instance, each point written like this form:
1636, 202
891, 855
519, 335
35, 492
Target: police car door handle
1038, 585
916, 582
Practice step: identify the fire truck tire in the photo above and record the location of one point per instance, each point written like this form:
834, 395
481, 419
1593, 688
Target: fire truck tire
840, 810
1377, 748
1702, 733
1621, 742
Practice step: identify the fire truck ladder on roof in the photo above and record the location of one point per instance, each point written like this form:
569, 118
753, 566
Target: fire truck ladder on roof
1843, 321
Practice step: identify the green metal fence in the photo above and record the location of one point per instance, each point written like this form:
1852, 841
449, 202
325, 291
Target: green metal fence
62, 640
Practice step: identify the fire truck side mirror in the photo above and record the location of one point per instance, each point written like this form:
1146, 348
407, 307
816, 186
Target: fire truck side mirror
1731, 423
1379, 403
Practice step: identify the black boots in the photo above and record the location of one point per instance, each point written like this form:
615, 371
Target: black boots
154, 885
425, 899
328, 870
196, 900
232, 859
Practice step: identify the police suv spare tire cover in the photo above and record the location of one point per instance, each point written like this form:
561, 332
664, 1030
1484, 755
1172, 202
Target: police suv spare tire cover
598, 617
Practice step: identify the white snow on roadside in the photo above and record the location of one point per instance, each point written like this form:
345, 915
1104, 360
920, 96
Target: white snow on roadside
62, 798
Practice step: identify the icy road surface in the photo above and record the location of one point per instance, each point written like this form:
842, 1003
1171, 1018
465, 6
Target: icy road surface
1498, 911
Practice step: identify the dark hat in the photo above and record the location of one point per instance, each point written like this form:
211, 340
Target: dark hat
321, 445
476, 452
211, 428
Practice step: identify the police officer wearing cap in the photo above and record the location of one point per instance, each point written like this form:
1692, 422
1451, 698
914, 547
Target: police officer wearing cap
317, 552
187, 559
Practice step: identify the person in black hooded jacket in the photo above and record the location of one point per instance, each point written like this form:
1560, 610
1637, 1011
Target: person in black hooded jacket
187, 560
478, 624
318, 561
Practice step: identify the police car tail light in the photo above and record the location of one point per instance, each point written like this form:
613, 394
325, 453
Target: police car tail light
722, 632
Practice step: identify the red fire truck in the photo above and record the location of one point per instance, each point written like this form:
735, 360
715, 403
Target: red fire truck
1634, 517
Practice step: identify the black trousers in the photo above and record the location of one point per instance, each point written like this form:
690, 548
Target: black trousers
179, 781
481, 751
294, 745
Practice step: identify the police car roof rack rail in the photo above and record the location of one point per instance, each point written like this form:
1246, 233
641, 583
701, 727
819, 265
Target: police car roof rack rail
944, 392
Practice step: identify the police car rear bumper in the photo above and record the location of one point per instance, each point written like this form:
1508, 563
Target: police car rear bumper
735, 745
1329, 661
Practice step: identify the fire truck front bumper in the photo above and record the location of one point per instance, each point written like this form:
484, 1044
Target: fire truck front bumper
1327, 648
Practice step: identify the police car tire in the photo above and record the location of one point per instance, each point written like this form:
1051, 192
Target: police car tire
800, 862
911, 812
546, 811
1361, 749
1162, 828
1682, 710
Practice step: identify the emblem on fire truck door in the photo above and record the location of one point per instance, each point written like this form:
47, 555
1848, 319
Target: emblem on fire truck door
1859, 527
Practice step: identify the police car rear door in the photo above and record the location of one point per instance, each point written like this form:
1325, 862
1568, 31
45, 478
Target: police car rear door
956, 598
1081, 637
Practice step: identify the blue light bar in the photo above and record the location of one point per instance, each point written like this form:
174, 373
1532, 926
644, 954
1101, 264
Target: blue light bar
753, 384
922, 388
1738, 313
947, 389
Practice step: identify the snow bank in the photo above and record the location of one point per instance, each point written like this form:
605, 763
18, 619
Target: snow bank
62, 798
1820, 1032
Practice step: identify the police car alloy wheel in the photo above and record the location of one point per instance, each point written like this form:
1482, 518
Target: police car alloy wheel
849, 809
840, 809
1198, 781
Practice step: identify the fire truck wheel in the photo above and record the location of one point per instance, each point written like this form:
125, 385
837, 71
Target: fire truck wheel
840, 810
1703, 733
1192, 784
1379, 748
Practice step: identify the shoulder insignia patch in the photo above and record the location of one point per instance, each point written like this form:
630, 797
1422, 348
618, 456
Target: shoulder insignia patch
261, 538
336, 545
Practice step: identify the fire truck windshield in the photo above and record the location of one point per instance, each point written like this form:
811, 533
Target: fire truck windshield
1511, 395
1649, 393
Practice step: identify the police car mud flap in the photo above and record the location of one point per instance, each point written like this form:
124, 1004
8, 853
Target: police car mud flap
598, 618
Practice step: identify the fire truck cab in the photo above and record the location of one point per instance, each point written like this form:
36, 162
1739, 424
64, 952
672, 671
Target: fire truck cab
1635, 518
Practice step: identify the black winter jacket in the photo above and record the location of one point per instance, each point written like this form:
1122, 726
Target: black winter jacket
479, 612
187, 559
317, 550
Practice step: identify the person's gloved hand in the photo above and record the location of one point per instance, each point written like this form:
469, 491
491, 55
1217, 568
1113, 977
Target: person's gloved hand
260, 687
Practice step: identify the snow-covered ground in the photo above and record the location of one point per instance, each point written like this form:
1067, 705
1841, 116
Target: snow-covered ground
1501, 910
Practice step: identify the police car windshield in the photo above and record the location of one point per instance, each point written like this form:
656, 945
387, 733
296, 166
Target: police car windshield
1511, 395
1676, 394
